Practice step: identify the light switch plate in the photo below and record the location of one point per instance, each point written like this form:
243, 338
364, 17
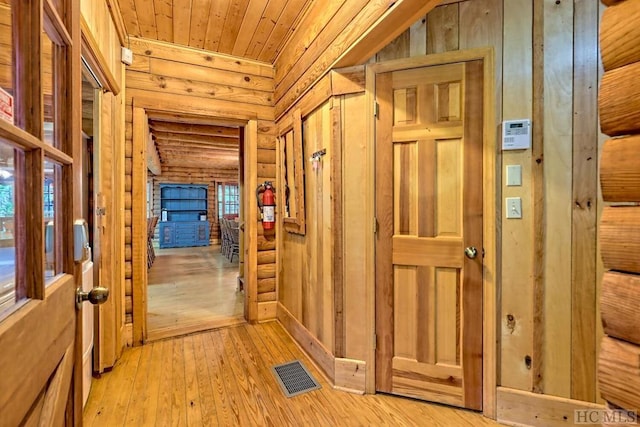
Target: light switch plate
126, 56
514, 207
514, 175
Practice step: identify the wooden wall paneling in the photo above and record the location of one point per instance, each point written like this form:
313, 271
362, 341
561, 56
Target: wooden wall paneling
584, 315
398, 48
356, 229
116, 17
251, 226
619, 301
318, 22
418, 37
312, 298
480, 26
619, 239
107, 322
443, 28
329, 230
347, 80
517, 235
558, 63
620, 170
538, 193
336, 248
139, 237
619, 100
350, 47
101, 33
619, 35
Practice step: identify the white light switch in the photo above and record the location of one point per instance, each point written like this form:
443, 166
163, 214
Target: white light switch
514, 175
514, 207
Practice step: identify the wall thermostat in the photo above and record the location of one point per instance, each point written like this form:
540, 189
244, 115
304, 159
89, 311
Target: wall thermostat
516, 134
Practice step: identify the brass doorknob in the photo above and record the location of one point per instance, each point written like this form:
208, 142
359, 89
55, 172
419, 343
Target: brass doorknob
471, 252
97, 295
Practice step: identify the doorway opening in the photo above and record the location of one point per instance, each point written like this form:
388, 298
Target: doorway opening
194, 225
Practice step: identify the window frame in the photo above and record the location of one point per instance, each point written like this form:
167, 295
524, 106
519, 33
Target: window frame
27, 136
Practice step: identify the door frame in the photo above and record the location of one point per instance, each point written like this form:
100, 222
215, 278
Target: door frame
141, 105
491, 211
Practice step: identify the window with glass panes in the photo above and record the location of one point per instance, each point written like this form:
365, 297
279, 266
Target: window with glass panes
228, 200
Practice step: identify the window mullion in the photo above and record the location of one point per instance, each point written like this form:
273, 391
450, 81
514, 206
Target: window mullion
27, 59
34, 223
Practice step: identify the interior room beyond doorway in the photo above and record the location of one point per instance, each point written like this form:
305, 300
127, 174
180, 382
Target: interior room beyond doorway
192, 289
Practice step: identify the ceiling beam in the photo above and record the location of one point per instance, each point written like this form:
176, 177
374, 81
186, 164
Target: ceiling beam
184, 137
197, 129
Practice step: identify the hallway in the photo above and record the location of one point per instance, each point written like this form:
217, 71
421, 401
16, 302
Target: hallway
192, 289
223, 377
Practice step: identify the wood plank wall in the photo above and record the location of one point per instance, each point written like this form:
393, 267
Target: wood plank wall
211, 83
549, 259
306, 281
105, 32
549, 262
112, 182
323, 35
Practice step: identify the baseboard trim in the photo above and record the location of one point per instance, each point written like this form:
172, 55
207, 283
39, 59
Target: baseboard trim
310, 344
351, 375
523, 408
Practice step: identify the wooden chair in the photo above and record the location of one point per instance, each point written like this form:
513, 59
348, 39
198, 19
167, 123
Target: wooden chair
151, 227
235, 243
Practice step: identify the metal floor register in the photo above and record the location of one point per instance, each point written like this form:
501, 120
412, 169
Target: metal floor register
294, 378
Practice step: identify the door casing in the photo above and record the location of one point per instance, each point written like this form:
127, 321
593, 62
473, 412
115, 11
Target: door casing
490, 210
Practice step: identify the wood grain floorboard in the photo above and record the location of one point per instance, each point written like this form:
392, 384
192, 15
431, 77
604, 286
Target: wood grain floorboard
191, 290
223, 378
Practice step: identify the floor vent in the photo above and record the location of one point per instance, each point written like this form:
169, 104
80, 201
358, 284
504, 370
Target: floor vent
294, 378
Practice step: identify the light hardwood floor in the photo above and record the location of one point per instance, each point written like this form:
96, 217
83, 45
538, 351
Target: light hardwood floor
223, 377
192, 289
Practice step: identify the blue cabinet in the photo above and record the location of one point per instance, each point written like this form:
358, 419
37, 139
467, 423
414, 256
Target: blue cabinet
180, 234
185, 208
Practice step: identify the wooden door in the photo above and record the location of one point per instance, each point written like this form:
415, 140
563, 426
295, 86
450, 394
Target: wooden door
40, 381
429, 210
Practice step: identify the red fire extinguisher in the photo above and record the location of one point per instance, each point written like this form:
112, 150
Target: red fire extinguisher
267, 204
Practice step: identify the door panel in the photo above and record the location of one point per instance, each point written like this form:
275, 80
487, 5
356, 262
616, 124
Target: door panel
39, 331
429, 209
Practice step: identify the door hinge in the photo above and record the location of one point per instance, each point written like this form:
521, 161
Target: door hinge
375, 341
375, 225
376, 109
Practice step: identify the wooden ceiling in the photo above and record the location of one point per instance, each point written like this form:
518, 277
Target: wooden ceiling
254, 29
198, 146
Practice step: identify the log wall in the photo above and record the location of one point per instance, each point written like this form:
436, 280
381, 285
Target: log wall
619, 362
209, 85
